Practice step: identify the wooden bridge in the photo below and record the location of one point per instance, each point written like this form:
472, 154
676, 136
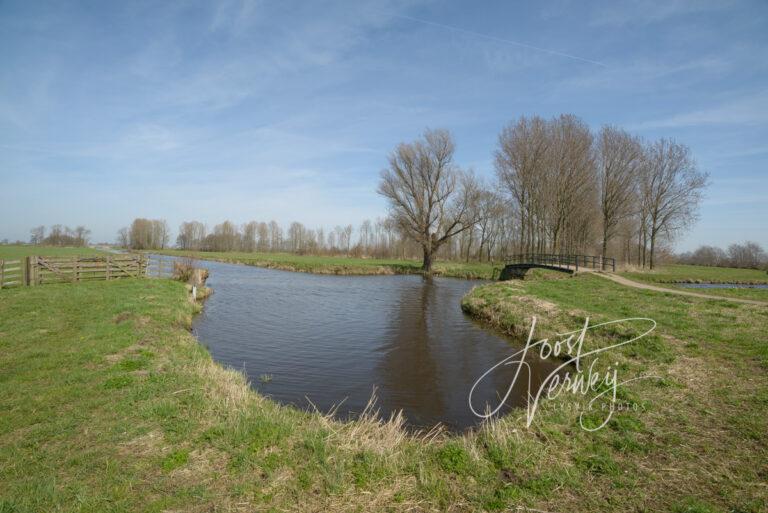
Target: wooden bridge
515, 266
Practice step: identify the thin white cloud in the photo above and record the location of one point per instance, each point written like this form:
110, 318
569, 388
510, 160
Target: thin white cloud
615, 13
752, 110
502, 40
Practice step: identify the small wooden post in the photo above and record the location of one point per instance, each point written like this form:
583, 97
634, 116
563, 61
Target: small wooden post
26, 270
74, 269
109, 265
2, 272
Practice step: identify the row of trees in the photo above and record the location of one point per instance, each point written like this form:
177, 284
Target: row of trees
748, 255
145, 234
559, 188
60, 235
572, 190
375, 239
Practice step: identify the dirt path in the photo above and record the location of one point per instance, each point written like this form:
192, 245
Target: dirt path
630, 283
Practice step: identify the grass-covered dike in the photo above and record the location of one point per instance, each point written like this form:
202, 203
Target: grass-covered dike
110, 404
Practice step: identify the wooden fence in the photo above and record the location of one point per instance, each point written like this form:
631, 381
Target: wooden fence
40, 270
158, 266
12, 273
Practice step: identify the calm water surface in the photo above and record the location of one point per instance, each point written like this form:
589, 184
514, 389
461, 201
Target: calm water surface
332, 339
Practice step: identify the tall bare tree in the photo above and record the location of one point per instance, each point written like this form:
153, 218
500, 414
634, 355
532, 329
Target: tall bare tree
674, 187
37, 235
123, 238
428, 195
191, 235
620, 156
249, 236
521, 162
570, 185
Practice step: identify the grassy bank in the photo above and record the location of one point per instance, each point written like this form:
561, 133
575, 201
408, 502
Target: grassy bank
15, 251
109, 404
674, 275
343, 265
713, 392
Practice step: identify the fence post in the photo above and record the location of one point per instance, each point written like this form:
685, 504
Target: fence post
26, 271
2, 272
109, 264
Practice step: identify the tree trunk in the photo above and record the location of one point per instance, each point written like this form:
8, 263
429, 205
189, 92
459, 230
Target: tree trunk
426, 265
653, 248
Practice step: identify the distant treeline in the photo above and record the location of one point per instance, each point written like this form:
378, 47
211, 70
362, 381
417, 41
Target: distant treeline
374, 239
748, 255
59, 235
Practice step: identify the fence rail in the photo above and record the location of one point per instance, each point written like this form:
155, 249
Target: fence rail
41, 270
11, 273
159, 267
566, 261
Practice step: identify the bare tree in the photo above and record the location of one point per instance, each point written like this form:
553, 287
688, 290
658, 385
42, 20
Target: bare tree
619, 158
296, 237
521, 161
140, 234
674, 188
191, 235
275, 236
37, 235
320, 236
161, 233
123, 238
428, 195
226, 237
366, 234
82, 234
249, 236
748, 255
263, 237
570, 185
348, 236
491, 210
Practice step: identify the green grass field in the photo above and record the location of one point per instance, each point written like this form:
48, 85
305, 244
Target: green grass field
343, 265
109, 404
698, 274
15, 251
672, 276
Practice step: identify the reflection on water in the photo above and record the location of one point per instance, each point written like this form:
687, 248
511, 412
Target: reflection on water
332, 339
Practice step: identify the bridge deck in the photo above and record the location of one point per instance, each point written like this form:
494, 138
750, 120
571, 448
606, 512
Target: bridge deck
560, 261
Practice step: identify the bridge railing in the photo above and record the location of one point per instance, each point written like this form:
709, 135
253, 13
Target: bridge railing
560, 260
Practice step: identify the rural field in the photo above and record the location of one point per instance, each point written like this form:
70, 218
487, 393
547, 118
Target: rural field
674, 276
16, 251
111, 404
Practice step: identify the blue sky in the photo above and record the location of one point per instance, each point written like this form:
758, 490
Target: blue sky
279, 110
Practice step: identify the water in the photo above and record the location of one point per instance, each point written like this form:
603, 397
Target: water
332, 339
722, 286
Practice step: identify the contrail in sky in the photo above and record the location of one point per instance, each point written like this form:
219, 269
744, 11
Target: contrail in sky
501, 40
